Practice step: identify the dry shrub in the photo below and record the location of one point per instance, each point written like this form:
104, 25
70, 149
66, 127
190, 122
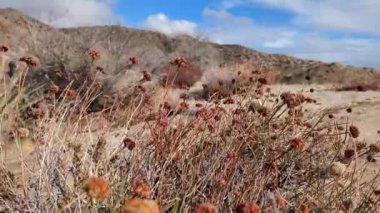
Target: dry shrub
179, 73
233, 150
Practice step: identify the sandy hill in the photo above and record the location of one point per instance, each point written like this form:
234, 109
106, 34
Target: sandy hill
57, 47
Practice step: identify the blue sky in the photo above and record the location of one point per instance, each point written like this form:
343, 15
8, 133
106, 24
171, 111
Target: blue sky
346, 31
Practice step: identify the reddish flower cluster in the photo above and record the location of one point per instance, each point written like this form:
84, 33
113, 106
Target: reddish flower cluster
129, 143
141, 87
95, 55
229, 100
349, 153
297, 144
184, 106
354, 130
37, 113
134, 60
263, 80
140, 188
97, 188
53, 88
374, 148
263, 111
147, 75
248, 208
70, 92
139, 205
198, 105
30, 61
292, 100
206, 208
4, 49
180, 62
100, 69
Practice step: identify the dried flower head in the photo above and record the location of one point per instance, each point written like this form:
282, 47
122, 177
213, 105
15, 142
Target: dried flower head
140, 188
263, 111
129, 143
361, 145
37, 113
70, 92
30, 61
141, 87
23, 132
263, 80
354, 130
297, 144
247, 208
140, 206
94, 54
305, 208
4, 48
180, 62
100, 69
229, 100
147, 75
184, 106
292, 100
337, 169
374, 147
349, 153
206, 208
97, 188
53, 88
134, 60
198, 105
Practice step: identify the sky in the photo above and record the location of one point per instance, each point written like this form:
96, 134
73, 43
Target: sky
345, 31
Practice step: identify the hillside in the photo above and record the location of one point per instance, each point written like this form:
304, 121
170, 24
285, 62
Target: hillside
24, 35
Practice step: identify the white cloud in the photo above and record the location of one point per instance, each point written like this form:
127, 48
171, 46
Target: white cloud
339, 15
161, 23
224, 27
285, 40
67, 13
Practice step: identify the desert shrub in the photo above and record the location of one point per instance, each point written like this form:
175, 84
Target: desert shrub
247, 151
238, 154
179, 73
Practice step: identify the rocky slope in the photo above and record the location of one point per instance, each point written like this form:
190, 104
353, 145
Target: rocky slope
66, 48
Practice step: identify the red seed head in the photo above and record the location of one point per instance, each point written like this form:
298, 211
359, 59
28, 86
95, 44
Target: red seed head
354, 130
247, 208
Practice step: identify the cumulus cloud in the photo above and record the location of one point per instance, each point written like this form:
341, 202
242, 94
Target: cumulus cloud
67, 13
338, 15
224, 27
161, 23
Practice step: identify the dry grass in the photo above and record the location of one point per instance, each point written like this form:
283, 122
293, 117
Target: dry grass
246, 152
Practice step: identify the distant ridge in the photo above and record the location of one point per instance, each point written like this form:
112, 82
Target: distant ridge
24, 35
